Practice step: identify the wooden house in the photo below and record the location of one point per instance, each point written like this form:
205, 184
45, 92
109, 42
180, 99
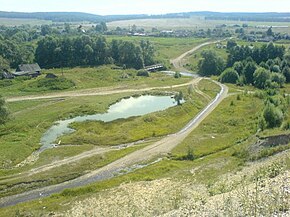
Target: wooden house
6, 75
32, 70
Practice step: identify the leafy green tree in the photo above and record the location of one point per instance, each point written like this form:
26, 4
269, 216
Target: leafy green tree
4, 114
261, 76
270, 32
211, 64
231, 44
264, 65
278, 78
4, 64
46, 30
131, 55
272, 115
177, 75
239, 67
101, 27
148, 52
178, 97
286, 73
249, 70
67, 28
229, 76
115, 50
45, 52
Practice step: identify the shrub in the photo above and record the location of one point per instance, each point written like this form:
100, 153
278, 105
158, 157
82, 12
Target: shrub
229, 76
261, 76
278, 78
143, 73
177, 75
273, 115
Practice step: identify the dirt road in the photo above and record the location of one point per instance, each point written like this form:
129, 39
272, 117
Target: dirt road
179, 61
161, 147
94, 92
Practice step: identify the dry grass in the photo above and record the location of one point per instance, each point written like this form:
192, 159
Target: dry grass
260, 189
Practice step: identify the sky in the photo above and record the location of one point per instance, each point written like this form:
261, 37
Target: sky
109, 7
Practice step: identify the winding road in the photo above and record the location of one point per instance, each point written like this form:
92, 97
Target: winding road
161, 147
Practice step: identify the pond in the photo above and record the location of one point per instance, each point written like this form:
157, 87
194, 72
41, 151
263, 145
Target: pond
133, 106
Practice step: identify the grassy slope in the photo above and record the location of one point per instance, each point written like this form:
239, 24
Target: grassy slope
221, 150
85, 78
32, 118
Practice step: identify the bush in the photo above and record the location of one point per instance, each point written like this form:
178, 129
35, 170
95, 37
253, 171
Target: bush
143, 73
272, 115
278, 78
177, 75
211, 64
261, 76
229, 76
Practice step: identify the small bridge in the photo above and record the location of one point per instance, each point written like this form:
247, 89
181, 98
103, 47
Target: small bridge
154, 68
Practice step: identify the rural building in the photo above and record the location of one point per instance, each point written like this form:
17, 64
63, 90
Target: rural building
6, 75
32, 70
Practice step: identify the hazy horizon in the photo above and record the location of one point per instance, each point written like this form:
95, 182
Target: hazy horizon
117, 7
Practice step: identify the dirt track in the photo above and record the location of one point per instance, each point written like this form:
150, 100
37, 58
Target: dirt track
161, 147
178, 62
94, 92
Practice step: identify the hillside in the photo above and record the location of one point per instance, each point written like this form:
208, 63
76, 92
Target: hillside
208, 15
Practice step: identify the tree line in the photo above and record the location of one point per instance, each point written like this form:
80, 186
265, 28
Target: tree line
85, 50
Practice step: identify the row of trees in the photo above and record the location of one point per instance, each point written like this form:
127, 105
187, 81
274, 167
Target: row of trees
271, 73
258, 54
85, 50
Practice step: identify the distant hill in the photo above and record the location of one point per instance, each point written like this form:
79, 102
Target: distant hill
54, 16
78, 16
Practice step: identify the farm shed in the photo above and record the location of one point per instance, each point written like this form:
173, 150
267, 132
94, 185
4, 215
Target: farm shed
32, 70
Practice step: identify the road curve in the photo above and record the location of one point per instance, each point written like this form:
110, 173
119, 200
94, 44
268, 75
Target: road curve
178, 63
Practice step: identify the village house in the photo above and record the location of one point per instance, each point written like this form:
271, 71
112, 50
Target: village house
32, 70
6, 75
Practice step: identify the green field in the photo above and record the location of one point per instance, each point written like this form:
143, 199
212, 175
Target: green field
19, 22
195, 23
86, 78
